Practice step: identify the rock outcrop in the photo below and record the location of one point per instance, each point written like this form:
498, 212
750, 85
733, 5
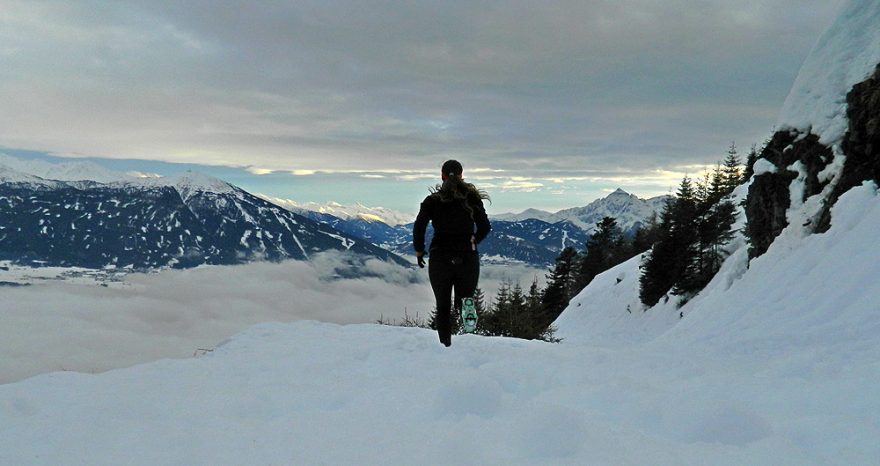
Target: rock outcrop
794, 153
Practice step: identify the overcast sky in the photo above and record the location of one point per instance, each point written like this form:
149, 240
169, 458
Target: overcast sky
547, 103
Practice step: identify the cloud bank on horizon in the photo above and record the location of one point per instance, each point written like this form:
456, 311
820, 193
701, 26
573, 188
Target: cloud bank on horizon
531, 94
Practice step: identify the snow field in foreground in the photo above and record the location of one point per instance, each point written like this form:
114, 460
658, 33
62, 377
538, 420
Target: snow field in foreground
312, 393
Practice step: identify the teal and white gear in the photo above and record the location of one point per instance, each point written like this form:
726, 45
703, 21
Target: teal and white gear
468, 315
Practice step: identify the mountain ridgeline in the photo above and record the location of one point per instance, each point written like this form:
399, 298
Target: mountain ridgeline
190, 219
182, 222
533, 237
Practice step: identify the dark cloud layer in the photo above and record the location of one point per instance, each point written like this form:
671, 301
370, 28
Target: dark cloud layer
558, 85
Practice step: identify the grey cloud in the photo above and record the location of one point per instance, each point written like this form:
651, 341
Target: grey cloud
328, 84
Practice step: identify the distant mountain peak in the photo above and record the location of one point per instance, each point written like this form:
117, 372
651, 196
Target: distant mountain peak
346, 212
13, 169
73, 170
189, 182
629, 210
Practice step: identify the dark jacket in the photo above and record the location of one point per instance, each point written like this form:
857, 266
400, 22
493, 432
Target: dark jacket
453, 224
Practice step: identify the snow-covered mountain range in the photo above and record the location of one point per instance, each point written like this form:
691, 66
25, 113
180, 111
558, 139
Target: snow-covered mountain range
629, 210
533, 237
176, 221
73, 170
385, 215
204, 219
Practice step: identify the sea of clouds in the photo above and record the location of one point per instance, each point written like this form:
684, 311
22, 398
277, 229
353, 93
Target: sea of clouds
57, 325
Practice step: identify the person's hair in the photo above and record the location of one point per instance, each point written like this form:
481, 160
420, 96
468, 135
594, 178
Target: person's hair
454, 187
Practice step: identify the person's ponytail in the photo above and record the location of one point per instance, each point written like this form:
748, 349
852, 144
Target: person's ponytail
455, 189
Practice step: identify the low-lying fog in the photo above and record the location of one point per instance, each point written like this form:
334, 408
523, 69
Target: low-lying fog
63, 325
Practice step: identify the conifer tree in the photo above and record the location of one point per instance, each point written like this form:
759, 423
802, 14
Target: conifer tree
675, 249
693, 231
750, 164
494, 320
535, 296
732, 173
605, 249
645, 236
561, 282
656, 280
718, 188
516, 314
715, 216
713, 233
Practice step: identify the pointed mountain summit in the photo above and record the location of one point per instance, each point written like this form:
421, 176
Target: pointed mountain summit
630, 211
190, 183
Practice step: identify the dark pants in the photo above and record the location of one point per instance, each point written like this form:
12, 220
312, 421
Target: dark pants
447, 272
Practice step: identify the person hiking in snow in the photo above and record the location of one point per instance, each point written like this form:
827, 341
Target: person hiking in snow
455, 209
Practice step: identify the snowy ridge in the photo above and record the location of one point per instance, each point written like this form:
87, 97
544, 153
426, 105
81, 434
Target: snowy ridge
10, 175
189, 183
537, 214
802, 316
629, 210
846, 54
345, 212
66, 171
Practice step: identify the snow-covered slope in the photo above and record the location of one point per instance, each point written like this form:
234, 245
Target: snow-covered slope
803, 313
13, 176
797, 284
769, 367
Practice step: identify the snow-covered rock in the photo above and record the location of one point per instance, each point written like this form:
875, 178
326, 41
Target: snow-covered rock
828, 137
846, 54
